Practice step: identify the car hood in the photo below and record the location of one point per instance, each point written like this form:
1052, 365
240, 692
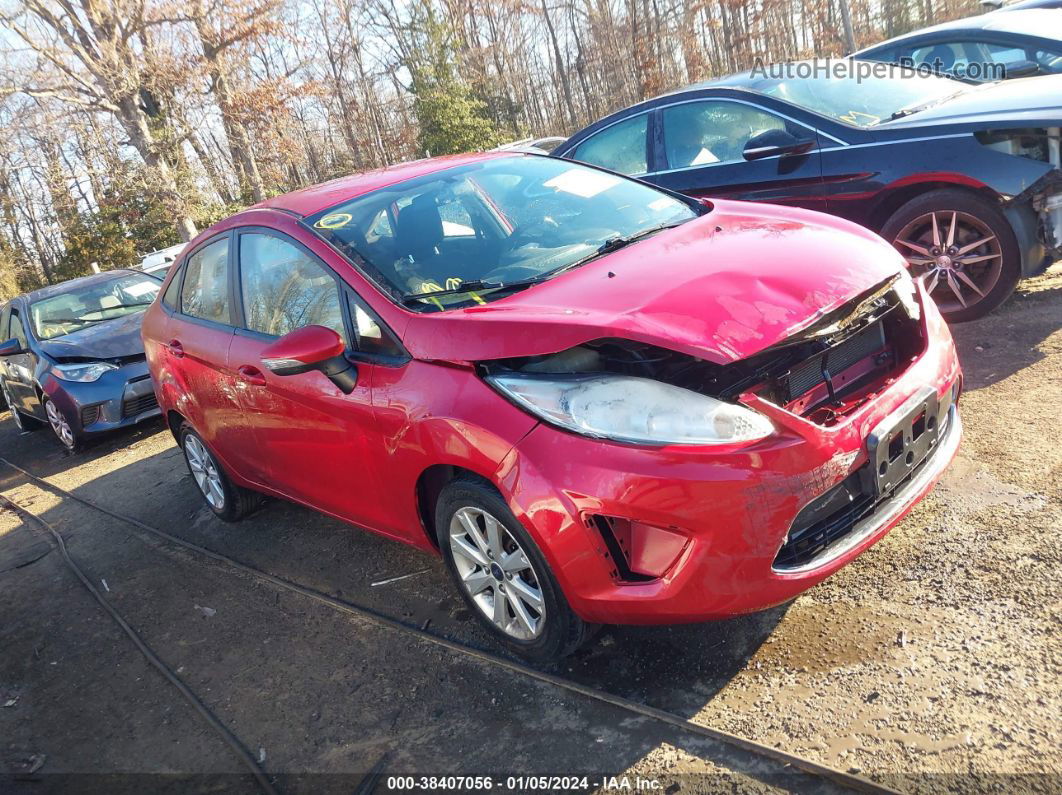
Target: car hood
112, 339
722, 287
1022, 101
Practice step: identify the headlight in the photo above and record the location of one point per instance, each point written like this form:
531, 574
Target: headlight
631, 409
90, 371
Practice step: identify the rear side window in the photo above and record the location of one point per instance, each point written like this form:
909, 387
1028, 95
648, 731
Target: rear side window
284, 288
4, 323
620, 147
206, 283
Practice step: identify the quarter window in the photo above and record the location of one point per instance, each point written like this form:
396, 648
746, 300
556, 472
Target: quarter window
620, 147
372, 336
205, 292
169, 298
284, 288
702, 133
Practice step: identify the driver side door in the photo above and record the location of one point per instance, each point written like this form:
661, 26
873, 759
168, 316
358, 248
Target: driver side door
312, 443
701, 154
20, 369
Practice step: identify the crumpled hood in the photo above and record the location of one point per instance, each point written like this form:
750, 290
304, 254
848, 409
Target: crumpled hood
111, 339
722, 287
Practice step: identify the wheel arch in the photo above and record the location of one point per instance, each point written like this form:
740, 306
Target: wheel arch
174, 421
898, 196
429, 486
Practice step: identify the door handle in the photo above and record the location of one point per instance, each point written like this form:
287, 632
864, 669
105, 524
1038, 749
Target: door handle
175, 349
252, 375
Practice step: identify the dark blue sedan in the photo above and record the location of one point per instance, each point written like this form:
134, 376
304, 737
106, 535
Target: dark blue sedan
71, 357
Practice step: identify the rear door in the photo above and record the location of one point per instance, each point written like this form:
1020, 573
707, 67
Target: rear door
196, 352
315, 444
701, 146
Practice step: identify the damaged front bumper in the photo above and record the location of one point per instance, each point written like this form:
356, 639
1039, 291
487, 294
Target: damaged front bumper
711, 526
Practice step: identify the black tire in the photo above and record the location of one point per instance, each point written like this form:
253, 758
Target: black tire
563, 631
69, 439
944, 202
237, 502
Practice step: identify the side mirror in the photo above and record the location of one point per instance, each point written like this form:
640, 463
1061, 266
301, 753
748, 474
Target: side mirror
312, 348
11, 348
776, 142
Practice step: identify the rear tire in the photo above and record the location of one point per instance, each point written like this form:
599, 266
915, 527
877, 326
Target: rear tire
225, 499
971, 257
533, 619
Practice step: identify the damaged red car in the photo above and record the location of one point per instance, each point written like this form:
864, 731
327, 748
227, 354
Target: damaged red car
601, 402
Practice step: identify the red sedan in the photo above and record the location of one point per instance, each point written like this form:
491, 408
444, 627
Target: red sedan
600, 401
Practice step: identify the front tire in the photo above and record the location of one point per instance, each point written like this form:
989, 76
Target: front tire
502, 575
225, 499
963, 247
64, 432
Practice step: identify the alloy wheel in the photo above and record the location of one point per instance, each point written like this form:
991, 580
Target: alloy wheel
60, 426
497, 573
958, 256
205, 472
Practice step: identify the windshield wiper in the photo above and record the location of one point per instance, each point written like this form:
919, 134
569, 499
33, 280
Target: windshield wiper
76, 319
610, 245
912, 109
470, 287
613, 244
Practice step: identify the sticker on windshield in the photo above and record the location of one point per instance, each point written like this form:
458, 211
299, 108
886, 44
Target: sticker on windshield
582, 182
334, 221
860, 119
141, 289
663, 203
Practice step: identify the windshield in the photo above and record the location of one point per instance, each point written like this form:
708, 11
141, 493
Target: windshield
502, 221
841, 91
91, 304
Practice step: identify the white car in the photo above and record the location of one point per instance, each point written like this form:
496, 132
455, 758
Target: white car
158, 262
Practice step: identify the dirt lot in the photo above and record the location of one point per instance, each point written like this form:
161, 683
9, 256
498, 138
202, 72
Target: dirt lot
932, 662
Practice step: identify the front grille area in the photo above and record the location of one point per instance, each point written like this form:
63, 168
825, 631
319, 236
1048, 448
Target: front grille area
138, 405
811, 372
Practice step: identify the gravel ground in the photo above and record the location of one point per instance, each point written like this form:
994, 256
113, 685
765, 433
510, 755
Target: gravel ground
932, 662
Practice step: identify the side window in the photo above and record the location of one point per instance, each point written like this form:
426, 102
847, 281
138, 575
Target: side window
284, 288
169, 298
5, 318
205, 292
17, 331
620, 147
701, 133
372, 337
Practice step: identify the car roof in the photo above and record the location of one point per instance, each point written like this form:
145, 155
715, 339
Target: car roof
72, 284
328, 194
1040, 23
